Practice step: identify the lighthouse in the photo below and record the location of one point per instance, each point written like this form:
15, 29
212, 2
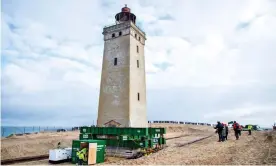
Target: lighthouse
122, 99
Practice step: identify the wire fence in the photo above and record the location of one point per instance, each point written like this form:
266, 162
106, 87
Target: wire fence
181, 122
10, 130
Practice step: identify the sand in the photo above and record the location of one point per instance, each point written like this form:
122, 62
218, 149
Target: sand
34, 144
39, 144
260, 148
249, 150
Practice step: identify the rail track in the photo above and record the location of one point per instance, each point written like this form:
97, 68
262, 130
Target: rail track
24, 159
195, 140
43, 157
177, 137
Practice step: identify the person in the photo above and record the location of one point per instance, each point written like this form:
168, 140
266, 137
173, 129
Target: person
223, 133
82, 156
226, 127
219, 128
240, 129
236, 128
249, 129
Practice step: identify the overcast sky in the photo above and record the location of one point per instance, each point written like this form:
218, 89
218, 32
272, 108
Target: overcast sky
205, 60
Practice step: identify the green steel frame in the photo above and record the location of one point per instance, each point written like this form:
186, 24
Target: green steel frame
122, 131
125, 137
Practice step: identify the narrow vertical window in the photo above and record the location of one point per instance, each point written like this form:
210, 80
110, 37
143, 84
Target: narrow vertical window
115, 61
120, 33
135, 35
113, 34
137, 49
138, 96
137, 63
139, 38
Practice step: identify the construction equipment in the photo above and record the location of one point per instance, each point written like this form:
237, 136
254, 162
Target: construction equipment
59, 155
125, 142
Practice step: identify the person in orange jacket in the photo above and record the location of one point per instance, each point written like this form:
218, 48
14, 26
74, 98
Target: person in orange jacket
237, 129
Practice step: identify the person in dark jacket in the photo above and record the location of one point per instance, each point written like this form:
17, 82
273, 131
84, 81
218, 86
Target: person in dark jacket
219, 128
223, 132
226, 127
240, 129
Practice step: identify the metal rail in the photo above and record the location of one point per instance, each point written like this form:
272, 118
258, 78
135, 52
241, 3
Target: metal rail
177, 137
196, 140
24, 159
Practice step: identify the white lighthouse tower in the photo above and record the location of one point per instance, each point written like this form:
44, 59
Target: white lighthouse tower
122, 100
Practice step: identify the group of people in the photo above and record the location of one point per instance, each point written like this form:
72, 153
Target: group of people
222, 130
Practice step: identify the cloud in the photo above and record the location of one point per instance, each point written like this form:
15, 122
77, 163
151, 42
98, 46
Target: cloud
249, 114
204, 60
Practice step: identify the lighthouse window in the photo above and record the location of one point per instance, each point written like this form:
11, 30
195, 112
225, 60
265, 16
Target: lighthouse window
135, 35
113, 35
120, 33
137, 49
115, 61
137, 63
139, 38
138, 96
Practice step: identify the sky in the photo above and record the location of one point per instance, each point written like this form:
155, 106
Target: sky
205, 60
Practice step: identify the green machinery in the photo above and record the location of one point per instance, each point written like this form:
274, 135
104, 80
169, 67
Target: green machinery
120, 141
133, 138
128, 142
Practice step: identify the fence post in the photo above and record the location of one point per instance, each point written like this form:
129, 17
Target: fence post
3, 131
24, 130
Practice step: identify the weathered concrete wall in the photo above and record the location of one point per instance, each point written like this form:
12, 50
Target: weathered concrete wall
138, 112
121, 83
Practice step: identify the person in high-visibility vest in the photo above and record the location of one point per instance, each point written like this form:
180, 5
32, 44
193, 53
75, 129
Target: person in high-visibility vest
249, 129
82, 156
